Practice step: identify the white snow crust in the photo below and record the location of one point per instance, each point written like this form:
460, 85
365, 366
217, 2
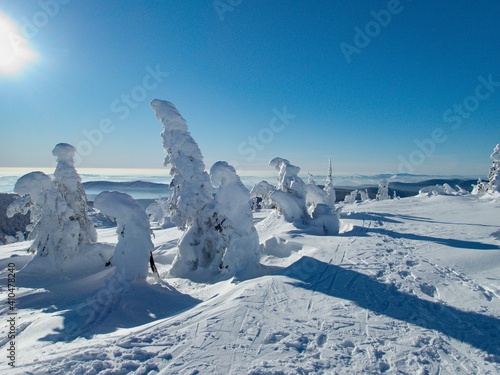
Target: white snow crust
410, 286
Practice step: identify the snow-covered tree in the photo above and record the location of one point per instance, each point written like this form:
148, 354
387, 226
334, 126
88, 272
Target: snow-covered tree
300, 202
494, 175
53, 228
60, 228
158, 213
363, 194
310, 178
131, 256
493, 184
329, 189
212, 244
69, 184
351, 197
190, 184
241, 242
479, 188
383, 191
263, 190
38, 196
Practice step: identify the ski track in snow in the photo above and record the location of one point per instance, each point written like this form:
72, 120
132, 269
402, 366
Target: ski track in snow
390, 296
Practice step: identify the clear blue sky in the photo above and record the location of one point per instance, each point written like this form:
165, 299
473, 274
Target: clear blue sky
363, 100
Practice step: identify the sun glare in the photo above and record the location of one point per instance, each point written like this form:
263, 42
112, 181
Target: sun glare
15, 50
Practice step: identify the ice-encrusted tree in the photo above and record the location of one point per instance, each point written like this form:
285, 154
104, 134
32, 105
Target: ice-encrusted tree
131, 256
191, 187
493, 183
383, 191
300, 202
351, 197
329, 189
263, 190
494, 175
60, 228
363, 194
69, 184
208, 250
241, 242
39, 197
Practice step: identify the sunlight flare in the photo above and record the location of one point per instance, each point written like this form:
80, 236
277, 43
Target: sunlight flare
15, 49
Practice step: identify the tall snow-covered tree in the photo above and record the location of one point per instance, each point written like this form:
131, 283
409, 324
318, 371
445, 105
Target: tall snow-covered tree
383, 191
69, 184
210, 247
131, 256
60, 228
190, 184
494, 175
329, 189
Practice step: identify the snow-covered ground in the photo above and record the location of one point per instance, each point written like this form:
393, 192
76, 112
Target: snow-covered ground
411, 286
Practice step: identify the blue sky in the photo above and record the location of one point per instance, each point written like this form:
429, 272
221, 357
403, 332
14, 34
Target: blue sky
378, 86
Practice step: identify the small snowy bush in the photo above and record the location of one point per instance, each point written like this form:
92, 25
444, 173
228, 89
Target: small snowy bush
444, 189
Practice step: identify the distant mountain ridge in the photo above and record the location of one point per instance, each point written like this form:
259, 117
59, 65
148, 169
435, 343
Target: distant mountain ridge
137, 189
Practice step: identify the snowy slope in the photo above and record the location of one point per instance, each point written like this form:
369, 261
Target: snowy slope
412, 286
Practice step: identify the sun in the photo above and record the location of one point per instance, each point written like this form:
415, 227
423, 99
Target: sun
15, 50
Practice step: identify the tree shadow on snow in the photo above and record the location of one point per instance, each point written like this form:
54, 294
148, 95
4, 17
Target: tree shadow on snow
480, 331
385, 217
104, 303
451, 242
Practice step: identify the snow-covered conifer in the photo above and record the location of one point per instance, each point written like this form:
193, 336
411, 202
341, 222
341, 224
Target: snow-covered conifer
494, 175
208, 250
351, 197
241, 242
383, 191
131, 256
190, 183
363, 194
69, 184
53, 229
479, 188
263, 190
329, 189
300, 202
